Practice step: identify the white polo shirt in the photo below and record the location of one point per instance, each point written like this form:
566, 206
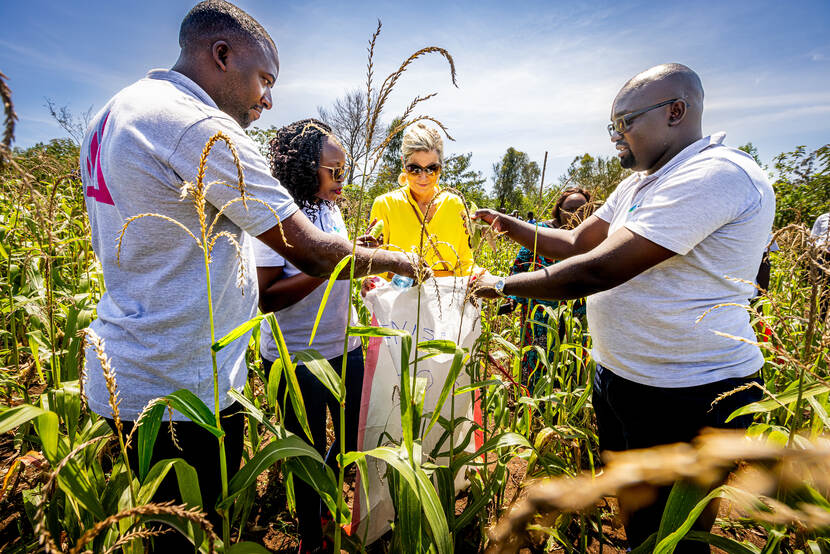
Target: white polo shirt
714, 207
139, 149
297, 321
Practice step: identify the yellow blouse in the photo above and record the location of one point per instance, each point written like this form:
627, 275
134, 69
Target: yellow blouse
400, 212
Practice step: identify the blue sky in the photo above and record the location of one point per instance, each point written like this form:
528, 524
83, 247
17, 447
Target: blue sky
533, 75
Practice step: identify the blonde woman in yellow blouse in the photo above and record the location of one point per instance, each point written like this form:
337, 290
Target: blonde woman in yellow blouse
446, 245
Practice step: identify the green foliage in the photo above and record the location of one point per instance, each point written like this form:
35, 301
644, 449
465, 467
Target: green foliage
514, 176
458, 175
802, 185
262, 137
598, 175
51, 281
750, 149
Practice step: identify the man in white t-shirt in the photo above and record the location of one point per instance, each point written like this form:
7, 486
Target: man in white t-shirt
137, 153
651, 261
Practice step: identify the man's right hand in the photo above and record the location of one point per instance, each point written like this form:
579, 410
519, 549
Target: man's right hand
406, 267
316, 252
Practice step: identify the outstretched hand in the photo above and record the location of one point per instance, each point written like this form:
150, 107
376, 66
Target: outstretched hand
491, 217
369, 241
483, 285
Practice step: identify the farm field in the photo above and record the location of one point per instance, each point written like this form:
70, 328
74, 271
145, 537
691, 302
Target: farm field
535, 480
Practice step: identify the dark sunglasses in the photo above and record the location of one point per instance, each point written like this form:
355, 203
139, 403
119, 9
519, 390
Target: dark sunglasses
337, 173
429, 171
620, 124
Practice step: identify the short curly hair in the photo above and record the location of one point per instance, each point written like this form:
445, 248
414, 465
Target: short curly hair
214, 19
295, 157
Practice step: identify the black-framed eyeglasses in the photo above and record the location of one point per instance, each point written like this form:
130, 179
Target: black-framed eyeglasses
337, 173
429, 171
621, 123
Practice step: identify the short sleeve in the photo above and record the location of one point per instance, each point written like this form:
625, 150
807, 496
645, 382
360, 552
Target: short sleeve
692, 202
606, 211
222, 175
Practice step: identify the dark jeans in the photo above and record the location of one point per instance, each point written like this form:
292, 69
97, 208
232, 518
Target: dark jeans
200, 449
316, 398
631, 415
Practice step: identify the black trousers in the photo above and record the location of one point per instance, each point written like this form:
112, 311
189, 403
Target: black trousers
200, 449
316, 398
631, 415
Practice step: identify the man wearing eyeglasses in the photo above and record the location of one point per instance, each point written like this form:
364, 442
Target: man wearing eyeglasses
683, 234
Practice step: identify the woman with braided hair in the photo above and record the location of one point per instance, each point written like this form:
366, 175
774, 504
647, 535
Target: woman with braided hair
312, 166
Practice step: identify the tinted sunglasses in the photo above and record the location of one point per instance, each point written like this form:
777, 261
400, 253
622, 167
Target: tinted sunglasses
620, 124
337, 173
417, 170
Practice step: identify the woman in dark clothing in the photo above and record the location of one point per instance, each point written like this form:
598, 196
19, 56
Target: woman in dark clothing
570, 209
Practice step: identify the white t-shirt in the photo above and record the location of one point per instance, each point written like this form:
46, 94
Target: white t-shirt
297, 321
821, 231
712, 205
153, 317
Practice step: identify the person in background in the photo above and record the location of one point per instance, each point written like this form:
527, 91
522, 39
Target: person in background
764, 270
820, 233
530, 218
421, 203
651, 261
568, 212
312, 166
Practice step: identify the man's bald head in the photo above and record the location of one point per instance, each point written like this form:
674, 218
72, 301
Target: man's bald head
668, 80
664, 105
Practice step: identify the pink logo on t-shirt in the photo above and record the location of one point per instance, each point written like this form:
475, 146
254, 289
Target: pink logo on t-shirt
99, 192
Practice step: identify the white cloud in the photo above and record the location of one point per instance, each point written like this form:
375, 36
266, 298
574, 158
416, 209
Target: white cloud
538, 76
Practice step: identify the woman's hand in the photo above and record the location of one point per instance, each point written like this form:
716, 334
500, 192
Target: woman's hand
368, 241
368, 284
492, 217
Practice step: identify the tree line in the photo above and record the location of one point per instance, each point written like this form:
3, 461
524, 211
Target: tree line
801, 178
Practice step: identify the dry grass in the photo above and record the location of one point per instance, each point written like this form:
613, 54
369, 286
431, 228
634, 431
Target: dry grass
10, 118
97, 344
707, 461
193, 515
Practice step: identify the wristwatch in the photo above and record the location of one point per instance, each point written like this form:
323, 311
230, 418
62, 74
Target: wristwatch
499, 287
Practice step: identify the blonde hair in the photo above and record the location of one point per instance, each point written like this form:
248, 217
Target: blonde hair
420, 138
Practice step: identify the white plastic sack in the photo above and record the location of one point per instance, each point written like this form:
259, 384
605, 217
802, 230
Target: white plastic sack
443, 311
